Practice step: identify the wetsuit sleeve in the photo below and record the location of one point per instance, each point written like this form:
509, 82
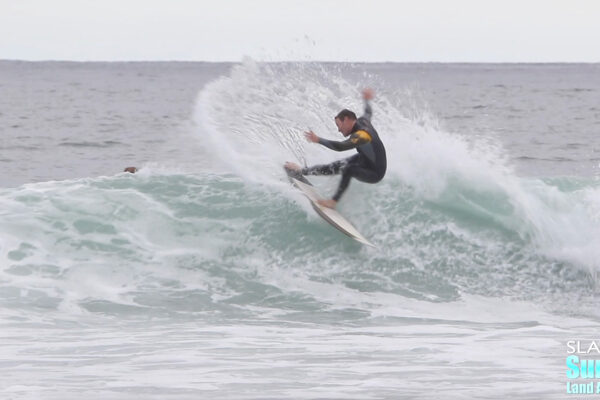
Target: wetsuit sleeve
368, 111
355, 140
338, 146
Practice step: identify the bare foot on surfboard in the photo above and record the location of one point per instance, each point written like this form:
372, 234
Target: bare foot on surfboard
292, 166
329, 203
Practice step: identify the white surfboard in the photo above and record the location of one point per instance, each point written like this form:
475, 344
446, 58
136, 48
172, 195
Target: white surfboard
329, 214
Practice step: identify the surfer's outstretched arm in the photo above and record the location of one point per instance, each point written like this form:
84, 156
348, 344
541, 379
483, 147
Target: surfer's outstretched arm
368, 94
348, 144
368, 111
356, 139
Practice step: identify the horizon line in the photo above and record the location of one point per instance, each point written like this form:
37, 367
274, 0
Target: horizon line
295, 61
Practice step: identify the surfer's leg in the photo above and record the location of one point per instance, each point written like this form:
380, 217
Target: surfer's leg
355, 170
333, 168
365, 174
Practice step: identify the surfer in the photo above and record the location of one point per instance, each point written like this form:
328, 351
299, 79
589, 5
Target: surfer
368, 165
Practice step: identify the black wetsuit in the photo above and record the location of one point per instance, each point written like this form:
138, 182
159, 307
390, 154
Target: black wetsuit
368, 165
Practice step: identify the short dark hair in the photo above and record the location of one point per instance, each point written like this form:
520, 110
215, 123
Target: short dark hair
345, 113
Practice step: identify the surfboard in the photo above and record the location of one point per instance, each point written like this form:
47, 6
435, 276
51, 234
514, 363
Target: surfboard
330, 215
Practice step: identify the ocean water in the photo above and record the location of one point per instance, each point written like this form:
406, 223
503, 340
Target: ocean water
205, 275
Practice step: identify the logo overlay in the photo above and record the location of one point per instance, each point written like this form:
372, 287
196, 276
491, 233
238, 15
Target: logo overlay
583, 367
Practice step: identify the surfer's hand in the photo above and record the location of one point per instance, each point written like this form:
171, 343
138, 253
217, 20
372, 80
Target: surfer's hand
292, 166
368, 94
329, 203
311, 137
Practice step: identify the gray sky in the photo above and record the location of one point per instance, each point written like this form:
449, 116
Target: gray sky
327, 30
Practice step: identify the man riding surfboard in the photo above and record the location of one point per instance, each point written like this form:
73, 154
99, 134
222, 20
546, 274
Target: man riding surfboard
369, 165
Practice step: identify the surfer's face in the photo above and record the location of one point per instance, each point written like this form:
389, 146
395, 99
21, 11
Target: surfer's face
345, 126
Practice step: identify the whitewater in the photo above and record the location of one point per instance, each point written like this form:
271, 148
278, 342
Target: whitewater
206, 275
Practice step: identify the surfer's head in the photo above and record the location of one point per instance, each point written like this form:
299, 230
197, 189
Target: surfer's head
345, 121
